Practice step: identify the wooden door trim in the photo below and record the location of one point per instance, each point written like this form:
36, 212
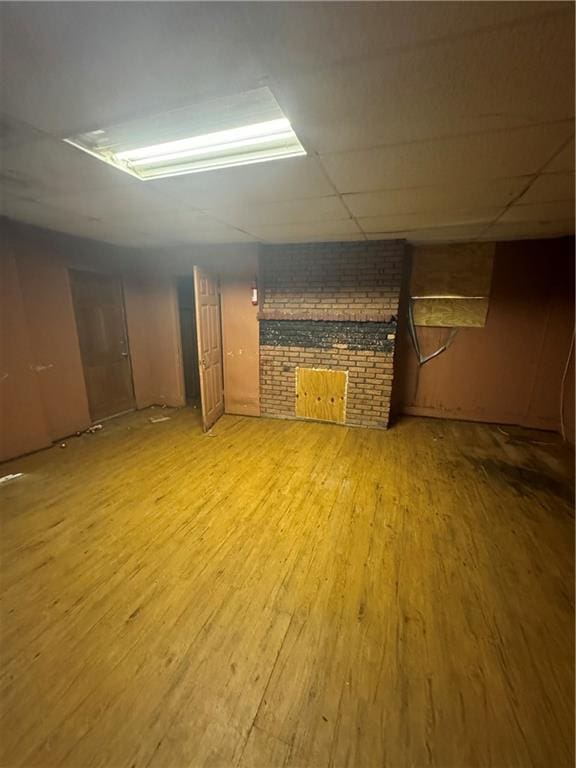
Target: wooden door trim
119, 277
80, 272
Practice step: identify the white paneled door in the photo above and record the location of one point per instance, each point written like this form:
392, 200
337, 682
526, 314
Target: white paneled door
209, 345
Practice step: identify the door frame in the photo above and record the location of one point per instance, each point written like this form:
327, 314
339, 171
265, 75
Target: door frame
70, 270
179, 346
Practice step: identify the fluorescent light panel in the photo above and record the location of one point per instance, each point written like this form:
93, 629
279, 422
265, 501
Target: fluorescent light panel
223, 133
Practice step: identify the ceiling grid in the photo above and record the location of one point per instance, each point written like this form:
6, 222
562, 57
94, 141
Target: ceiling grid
434, 122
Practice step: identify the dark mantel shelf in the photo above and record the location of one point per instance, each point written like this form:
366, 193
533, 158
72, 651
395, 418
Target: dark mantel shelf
345, 316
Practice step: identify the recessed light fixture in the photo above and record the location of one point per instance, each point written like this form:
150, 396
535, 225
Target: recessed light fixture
222, 133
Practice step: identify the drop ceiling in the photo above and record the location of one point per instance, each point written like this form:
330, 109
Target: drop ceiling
435, 121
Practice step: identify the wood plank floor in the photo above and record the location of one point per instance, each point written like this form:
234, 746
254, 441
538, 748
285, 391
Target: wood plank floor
287, 594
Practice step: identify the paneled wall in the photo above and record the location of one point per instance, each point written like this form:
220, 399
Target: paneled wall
509, 371
42, 389
154, 334
23, 424
331, 306
240, 339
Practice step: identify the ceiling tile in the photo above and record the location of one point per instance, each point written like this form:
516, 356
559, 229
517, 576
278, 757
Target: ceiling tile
190, 226
464, 195
14, 132
222, 235
436, 234
412, 221
48, 166
515, 230
367, 84
452, 88
564, 160
130, 202
447, 161
289, 179
46, 216
540, 212
168, 228
131, 239
292, 211
319, 230
549, 187
306, 36
72, 67
36, 212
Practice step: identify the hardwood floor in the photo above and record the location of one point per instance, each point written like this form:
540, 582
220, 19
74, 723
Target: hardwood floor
287, 594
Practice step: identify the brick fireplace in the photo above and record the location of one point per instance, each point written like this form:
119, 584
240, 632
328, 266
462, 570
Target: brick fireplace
330, 306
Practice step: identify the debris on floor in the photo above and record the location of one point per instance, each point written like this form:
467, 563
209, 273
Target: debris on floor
157, 419
92, 429
7, 478
525, 435
62, 445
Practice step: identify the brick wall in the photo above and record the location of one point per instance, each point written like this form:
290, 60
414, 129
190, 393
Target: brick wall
330, 305
340, 281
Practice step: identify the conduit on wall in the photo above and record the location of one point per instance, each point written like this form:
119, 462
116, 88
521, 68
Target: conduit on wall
422, 359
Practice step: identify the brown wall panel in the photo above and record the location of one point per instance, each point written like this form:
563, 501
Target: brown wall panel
54, 340
166, 342
23, 426
241, 349
154, 339
570, 402
137, 301
510, 370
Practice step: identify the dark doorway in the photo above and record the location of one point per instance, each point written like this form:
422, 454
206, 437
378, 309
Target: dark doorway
101, 323
189, 338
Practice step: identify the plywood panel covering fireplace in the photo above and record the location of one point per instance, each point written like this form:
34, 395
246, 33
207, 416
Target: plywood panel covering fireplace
321, 394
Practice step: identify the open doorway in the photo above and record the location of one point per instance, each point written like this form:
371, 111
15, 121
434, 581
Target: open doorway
201, 338
189, 339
